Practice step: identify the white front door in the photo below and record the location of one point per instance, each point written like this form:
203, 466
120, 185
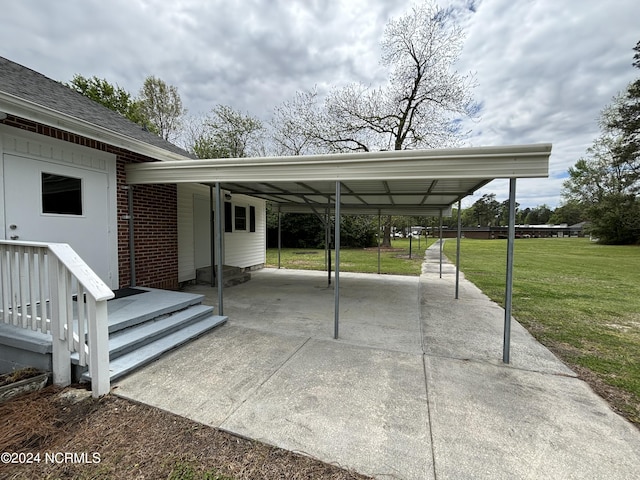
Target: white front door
50, 202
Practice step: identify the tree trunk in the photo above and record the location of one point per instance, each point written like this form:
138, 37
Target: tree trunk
386, 238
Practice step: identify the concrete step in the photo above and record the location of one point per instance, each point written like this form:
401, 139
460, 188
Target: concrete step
127, 340
127, 312
231, 276
145, 354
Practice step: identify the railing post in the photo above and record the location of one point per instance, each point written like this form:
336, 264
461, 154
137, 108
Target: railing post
99, 348
61, 357
67, 274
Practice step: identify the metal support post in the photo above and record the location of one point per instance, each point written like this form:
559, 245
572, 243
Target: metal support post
327, 235
440, 228
459, 235
279, 235
509, 280
379, 240
212, 235
220, 247
337, 268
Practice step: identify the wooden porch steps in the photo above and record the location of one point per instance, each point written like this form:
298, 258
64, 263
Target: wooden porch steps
139, 339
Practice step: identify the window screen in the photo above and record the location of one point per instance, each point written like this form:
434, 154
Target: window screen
61, 195
240, 218
228, 220
252, 219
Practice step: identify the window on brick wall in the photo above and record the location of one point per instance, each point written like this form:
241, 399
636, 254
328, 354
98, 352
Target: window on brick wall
252, 219
240, 218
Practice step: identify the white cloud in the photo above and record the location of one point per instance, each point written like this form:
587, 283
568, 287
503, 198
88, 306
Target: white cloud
545, 68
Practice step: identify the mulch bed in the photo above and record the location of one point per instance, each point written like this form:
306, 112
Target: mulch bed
115, 438
16, 376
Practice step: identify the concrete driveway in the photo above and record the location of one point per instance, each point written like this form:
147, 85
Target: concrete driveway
414, 388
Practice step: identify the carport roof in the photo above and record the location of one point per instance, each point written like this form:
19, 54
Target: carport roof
408, 182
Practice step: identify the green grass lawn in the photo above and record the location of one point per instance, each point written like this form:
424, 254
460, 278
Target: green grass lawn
580, 299
392, 262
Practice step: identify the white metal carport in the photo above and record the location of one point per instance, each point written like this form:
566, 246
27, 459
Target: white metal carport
404, 182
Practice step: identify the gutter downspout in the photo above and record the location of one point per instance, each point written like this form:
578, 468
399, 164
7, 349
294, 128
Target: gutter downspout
132, 251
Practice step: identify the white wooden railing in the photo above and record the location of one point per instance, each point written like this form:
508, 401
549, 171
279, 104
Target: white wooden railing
47, 287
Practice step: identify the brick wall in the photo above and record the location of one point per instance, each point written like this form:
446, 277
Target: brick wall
155, 210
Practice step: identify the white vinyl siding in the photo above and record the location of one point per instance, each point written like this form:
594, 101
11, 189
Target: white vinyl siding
242, 248
245, 248
186, 256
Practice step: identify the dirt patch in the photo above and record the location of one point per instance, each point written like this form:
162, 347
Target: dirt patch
384, 249
68, 435
413, 257
620, 401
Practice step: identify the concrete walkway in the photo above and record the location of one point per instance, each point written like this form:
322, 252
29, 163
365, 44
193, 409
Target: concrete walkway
414, 388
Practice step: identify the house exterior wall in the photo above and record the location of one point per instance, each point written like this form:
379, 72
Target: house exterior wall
155, 212
92, 233
243, 249
186, 256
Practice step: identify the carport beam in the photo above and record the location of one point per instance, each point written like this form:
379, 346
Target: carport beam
509, 280
337, 267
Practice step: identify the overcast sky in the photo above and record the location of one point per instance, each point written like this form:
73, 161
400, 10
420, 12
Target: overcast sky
545, 68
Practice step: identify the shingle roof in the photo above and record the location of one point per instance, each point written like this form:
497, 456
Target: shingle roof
32, 86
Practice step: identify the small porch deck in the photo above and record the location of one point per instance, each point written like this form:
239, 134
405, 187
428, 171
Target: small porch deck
142, 326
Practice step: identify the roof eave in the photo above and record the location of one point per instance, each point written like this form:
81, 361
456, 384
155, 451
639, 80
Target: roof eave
28, 110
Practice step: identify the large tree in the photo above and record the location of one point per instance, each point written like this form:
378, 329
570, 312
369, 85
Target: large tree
569, 212
225, 133
487, 209
607, 180
623, 119
606, 189
419, 107
162, 106
111, 96
539, 215
294, 123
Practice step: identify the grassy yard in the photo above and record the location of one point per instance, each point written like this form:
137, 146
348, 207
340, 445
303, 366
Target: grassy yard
393, 261
580, 299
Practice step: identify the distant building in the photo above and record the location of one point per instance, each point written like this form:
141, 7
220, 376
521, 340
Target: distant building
522, 231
